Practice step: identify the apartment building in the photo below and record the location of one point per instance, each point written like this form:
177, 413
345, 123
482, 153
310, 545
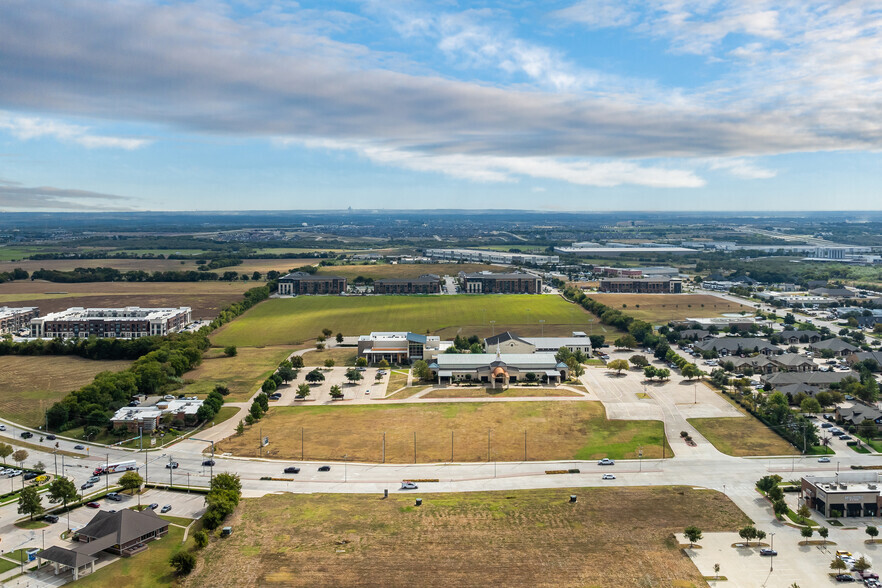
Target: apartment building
130, 322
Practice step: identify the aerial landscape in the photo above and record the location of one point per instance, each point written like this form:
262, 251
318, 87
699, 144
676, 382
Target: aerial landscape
573, 293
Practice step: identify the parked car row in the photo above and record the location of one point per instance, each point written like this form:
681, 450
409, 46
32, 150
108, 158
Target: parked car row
10, 472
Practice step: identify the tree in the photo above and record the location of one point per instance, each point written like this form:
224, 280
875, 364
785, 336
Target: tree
5, 451
256, 411
804, 512
626, 342
810, 405
862, 564
353, 375
64, 490
249, 419
361, 362
872, 531
19, 457
131, 481
806, 532
837, 565
286, 372
766, 483
40, 466
315, 376
297, 361
747, 533
183, 562
327, 332
780, 508
618, 365
775, 493
268, 386
690, 370
575, 367
339, 337
760, 535
302, 390
824, 532
231, 351
639, 361
421, 370
692, 533
663, 373
319, 346
240, 428
649, 372
329, 363
716, 570
867, 428
29, 502
384, 364
336, 391
201, 539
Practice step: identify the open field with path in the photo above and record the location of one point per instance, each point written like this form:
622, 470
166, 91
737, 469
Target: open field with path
242, 374
205, 298
31, 384
610, 537
555, 430
340, 355
661, 308
742, 436
285, 321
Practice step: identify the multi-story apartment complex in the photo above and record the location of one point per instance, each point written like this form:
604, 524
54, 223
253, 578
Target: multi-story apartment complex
299, 283
490, 283
481, 256
130, 322
642, 285
426, 284
14, 319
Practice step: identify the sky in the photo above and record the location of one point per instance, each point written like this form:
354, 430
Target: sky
580, 105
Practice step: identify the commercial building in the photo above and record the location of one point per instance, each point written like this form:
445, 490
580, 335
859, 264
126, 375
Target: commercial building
400, 347
642, 285
595, 250
149, 418
124, 532
508, 342
846, 494
300, 283
14, 319
482, 256
425, 284
858, 413
818, 379
130, 322
737, 346
794, 337
498, 369
636, 272
787, 362
719, 323
490, 283
836, 345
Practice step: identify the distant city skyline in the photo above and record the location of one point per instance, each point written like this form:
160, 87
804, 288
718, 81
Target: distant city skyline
577, 105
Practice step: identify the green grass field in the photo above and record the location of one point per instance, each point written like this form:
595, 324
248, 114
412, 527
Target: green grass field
285, 321
742, 436
555, 430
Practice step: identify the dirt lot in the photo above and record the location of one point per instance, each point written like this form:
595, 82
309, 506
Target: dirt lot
514, 538
657, 308
205, 298
562, 429
30, 385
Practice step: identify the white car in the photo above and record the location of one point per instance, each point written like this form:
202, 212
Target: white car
2, 427
608, 477
606, 461
823, 460
408, 486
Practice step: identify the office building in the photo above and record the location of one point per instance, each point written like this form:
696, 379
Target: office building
641, 285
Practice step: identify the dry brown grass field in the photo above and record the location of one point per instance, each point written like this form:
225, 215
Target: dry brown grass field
407, 270
342, 356
205, 298
242, 374
248, 266
30, 385
562, 429
657, 308
610, 537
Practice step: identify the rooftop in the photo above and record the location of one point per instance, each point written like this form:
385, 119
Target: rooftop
105, 314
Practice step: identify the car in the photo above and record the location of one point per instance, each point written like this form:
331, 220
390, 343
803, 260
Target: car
50, 518
26, 434
823, 460
13, 473
168, 397
2, 427
606, 461
51, 437
114, 496
275, 395
767, 551
361, 369
226, 531
835, 431
94, 479
153, 506
841, 552
54, 500
93, 504
292, 470
79, 447
845, 578
30, 475
608, 477
868, 575
325, 469
87, 485
844, 437
367, 391
208, 462
172, 465
408, 486
165, 508
826, 425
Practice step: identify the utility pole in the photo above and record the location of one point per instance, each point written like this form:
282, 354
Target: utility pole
170, 470
488, 445
414, 447
384, 446
451, 446
525, 444
301, 443
106, 475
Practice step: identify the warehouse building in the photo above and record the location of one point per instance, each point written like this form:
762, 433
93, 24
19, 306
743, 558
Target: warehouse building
13, 319
425, 284
490, 283
302, 283
130, 322
642, 285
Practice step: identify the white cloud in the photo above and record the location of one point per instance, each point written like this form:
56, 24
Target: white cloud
25, 128
742, 168
598, 14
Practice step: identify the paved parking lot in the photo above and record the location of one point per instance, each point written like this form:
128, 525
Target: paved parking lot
360, 392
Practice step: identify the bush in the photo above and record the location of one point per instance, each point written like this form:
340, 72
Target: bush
201, 539
183, 562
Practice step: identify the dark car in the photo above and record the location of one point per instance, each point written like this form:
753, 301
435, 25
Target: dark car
153, 506
93, 505
87, 485
292, 470
208, 462
30, 475
50, 437
26, 435
768, 552
325, 469
79, 447
114, 496
50, 518
845, 578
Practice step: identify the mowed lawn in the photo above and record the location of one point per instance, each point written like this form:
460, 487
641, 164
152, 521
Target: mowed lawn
742, 436
611, 537
657, 308
242, 374
31, 384
555, 430
287, 321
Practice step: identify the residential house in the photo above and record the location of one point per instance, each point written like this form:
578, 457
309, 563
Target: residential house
836, 345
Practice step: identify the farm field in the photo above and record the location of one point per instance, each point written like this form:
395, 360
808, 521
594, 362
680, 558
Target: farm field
242, 374
406, 270
512, 538
560, 429
248, 266
31, 384
742, 436
285, 321
205, 298
660, 308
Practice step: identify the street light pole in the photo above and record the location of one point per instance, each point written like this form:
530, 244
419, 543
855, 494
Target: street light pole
772, 558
